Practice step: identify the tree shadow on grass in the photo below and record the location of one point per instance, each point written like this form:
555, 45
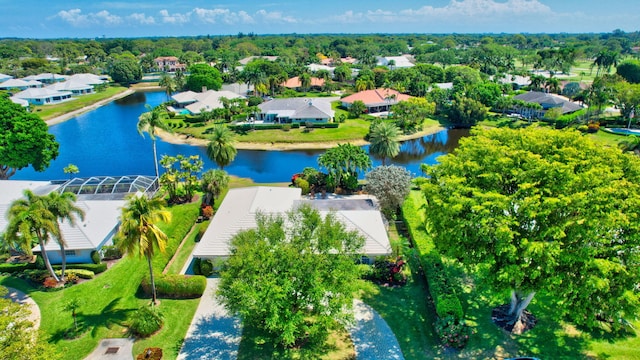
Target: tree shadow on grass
109, 316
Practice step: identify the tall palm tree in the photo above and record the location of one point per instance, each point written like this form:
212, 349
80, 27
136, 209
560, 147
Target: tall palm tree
221, 147
305, 81
169, 85
30, 220
213, 182
150, 121
384, 140
63, 207
139, 231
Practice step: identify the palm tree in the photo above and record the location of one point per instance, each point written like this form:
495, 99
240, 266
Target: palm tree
305, 81
63, 207
169, 85
139, 232
221, 148
384, 140
30, 219
536, 81
213, 182
149, 122
552, 84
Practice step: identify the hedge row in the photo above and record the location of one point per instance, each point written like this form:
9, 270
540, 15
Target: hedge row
95, 268
13, 268
176, 286
81, 273
442, 291
322, 125
247, 127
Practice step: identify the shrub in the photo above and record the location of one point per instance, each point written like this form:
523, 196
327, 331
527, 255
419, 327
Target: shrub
50, 282
40, 263
452, 332
150, 354
95, 257
254, 101
176, 286
196, 266
146, 321
286, 127
206, 267
80, 273
95, 268
201, 230
207, 212
110, 252
303, 185
13, 268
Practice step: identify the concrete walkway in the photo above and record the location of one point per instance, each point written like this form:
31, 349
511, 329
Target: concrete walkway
18, 296
113, 349
371, 336
213, 334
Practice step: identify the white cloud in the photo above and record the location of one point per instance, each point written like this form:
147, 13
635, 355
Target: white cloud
275, 16
141, 18
176, 18
75, 17
213, 16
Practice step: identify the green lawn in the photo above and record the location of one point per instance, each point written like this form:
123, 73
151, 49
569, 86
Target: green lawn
108, 300
47, 112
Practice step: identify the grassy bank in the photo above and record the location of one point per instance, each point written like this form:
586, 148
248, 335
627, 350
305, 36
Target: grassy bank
47, 112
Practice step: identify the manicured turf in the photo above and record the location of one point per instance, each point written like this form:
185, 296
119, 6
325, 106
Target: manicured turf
47, 112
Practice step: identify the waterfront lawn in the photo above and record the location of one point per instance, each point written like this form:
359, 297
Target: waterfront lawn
107, 301
47, 112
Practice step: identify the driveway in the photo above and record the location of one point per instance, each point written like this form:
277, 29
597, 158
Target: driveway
371, 336
18, 296
213, 334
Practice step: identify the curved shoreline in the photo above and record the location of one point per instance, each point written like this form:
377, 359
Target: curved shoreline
69, 115
182, 139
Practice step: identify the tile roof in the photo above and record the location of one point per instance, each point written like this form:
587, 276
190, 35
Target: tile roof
380, 96
295, 82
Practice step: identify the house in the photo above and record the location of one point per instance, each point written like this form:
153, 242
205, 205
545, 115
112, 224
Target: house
46, 78
21, 102
208, 100
394, 62
19, 84
317, 67
168, 63
74, 86
89, 79
44, 96
240, 206
248, 59
516, 81
296, 83
377, 100
4, 77
547, 101
101, 198
296, 110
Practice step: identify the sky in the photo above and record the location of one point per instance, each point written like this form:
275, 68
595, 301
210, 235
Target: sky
91, 19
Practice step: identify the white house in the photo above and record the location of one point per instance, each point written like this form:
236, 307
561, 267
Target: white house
19, 84
296, 110
397, 61
197, 102
240, 206
21, 102
44, 96
101, 198
5, 77
89, 79
76, 87
46, 78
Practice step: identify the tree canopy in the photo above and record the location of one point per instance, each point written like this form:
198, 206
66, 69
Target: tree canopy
24, 140
390, 185
203, 75
293, 276
125, 70
343, 163
542, 210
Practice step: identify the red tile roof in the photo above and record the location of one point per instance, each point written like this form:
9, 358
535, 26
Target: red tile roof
295, 82
377, 96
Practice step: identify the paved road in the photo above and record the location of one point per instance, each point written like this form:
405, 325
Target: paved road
213, 334
371, 336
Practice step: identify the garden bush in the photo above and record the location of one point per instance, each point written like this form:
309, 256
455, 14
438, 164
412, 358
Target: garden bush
95, 257
110, 252
80, 273
206, 267
452, 332
95, 268
176, 286
14, 268
196, 266
303, 185
146, 321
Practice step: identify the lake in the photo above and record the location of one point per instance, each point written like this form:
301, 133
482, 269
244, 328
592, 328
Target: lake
105, 142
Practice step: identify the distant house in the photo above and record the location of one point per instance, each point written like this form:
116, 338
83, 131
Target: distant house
296, 110
240, 206
296, 83
395, 62
76, 87
317, 67
209, 100
101, 198
89, 79
248, 59
377, 100
19, 84
4, 77
21, 102
168, 63
548, 101
516, 81
44, 96
46, 78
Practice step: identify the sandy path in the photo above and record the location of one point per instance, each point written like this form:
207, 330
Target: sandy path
174, 138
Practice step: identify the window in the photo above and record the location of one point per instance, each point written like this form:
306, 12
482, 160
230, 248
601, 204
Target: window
70, 252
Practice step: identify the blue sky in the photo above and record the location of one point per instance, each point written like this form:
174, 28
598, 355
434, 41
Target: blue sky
87, 19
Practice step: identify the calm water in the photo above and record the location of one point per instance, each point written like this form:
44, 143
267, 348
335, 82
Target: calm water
105, 142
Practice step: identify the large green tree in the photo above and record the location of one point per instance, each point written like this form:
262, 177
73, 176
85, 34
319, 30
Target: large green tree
541, 210
203, 75
221, 148
124, 70
410, 114
149, 122
384, 138
24, 140
343, 163
293, 276
213, 183
139, 232
390, 185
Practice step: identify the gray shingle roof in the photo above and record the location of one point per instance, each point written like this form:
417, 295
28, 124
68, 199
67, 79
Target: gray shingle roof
303, 108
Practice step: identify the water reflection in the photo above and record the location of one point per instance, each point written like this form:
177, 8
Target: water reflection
105, 141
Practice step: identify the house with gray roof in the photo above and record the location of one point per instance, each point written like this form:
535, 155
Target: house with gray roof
74, 86
296, 110
19, 84
240, 206
89, 79
208, 100
5, 77
44, 96
46, 78
549, 101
